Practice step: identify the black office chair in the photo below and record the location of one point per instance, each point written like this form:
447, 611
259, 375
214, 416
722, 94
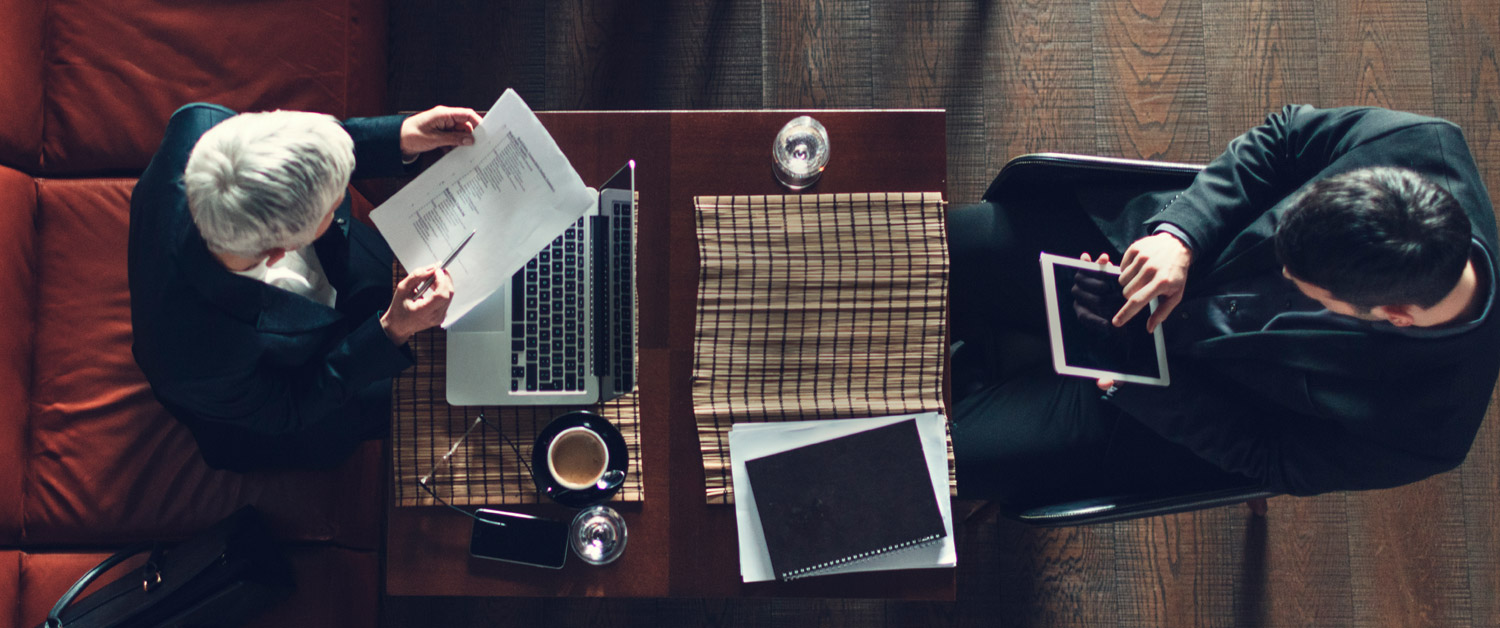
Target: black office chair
1103, 186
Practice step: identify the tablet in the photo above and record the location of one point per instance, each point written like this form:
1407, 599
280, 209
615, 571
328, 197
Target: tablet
1081, 298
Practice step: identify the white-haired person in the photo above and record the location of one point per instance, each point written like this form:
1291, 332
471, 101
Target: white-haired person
263, 313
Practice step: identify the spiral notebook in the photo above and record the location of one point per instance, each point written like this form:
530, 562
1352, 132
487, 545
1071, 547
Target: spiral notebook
826, 506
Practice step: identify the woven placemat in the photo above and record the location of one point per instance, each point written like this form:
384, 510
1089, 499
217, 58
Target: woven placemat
486, 468
816, 307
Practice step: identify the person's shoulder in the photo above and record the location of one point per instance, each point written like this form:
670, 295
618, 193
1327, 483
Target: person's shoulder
201, 113
192, 120
186, 125
1362, 121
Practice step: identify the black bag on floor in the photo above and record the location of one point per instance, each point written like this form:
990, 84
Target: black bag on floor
220, 578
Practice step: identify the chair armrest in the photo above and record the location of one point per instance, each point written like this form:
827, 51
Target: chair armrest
1119, 508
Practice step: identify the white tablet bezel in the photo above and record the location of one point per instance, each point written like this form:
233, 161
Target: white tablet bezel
1054, 327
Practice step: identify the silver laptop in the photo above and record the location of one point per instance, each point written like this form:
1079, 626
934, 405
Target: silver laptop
562, 330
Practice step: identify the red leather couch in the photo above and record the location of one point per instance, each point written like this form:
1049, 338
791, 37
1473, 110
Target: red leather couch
88, 460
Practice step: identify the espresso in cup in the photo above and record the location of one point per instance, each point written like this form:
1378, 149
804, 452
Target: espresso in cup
577, 458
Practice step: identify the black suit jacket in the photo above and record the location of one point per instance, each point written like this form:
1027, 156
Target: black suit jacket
1310, 407
251, 369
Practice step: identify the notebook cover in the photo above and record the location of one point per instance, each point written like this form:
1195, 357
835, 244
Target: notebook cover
845, 499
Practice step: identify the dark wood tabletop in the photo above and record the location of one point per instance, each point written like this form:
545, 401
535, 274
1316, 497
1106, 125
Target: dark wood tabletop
679, 545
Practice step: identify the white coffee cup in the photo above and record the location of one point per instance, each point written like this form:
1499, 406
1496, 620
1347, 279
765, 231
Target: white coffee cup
577, 458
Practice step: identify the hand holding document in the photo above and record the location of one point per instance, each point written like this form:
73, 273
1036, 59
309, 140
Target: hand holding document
513, 190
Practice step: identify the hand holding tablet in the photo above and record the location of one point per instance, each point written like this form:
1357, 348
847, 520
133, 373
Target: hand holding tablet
1083, 299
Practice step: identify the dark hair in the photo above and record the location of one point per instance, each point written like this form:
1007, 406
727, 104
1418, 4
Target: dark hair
1376, 236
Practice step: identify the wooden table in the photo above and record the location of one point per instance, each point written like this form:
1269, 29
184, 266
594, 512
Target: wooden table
678, 544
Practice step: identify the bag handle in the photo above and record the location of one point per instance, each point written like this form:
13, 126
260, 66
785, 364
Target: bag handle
54, 618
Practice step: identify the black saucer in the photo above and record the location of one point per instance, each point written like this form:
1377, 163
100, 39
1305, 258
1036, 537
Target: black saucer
619, 459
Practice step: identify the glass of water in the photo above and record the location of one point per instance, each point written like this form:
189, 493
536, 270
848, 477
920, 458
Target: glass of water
598, 535
800, 152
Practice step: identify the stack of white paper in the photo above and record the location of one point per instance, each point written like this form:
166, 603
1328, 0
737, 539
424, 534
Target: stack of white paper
753, 440
513, 189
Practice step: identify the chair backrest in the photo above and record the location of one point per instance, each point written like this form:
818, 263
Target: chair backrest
1049, 171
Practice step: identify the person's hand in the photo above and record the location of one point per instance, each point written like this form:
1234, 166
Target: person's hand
410, 312
1154, 266
438, 127
1095, 295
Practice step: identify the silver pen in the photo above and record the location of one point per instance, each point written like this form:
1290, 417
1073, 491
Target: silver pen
427, 283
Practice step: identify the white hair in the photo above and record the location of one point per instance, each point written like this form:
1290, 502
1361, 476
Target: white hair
259, 181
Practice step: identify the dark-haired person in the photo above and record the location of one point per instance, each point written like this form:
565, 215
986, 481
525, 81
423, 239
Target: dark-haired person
1327, 288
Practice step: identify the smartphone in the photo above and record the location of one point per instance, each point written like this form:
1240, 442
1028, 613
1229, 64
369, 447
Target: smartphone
516, 538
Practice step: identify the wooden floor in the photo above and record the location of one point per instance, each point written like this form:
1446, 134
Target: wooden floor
1156, 79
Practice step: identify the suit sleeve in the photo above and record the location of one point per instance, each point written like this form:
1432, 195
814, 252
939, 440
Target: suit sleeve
377, 146
281, 400
1266, 164
1287, 451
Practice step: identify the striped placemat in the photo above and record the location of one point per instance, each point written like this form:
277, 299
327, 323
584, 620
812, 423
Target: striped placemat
816, 307
490, 465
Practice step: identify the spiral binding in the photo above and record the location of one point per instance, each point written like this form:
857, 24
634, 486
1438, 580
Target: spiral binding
804, 572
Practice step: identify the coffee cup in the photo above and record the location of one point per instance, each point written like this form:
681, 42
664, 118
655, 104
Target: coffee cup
577, 458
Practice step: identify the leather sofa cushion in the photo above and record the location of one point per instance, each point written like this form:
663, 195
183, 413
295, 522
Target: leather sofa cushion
21, 83
113, 74
335, 587
18, 281
106, 463
10, 588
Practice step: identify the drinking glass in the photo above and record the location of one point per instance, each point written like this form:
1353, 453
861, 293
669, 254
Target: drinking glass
800, 153
597, 535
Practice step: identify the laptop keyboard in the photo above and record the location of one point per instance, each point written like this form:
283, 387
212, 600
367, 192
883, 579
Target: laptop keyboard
548, 348
550, 352
622, 355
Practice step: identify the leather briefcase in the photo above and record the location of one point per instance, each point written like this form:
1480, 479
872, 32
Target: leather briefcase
220, 578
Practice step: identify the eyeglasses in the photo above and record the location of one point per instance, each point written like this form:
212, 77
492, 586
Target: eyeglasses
426, 480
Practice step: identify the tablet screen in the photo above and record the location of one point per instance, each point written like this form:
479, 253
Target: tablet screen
1082, 297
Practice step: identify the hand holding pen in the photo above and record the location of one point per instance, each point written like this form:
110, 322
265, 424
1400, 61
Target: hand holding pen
420, 301
428, 283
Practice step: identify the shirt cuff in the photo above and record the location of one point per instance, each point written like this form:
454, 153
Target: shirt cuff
1174, 231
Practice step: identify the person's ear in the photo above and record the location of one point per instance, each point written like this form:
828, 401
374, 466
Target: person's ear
1398, 315
274, 255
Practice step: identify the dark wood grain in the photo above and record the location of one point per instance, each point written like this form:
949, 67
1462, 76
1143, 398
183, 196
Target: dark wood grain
1179, 570
1059, 576
930, 54
706, 55
817, 54
1038, 79
598, 53
464, 53
1260, 55
1304, 562
1375, 52
1151, 98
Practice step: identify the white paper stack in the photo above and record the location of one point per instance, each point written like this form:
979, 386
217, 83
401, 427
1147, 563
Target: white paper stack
754, 440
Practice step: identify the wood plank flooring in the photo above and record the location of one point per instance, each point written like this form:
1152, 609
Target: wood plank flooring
1156, 79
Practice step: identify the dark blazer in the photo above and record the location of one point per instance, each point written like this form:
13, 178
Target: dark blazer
262, 377
1309, 406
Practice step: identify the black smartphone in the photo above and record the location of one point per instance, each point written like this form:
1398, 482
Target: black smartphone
517, 538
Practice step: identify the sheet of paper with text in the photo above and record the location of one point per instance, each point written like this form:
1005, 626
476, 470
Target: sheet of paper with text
513, 188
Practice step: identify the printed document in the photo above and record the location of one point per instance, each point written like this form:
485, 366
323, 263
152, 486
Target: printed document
753, 440
513, 188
